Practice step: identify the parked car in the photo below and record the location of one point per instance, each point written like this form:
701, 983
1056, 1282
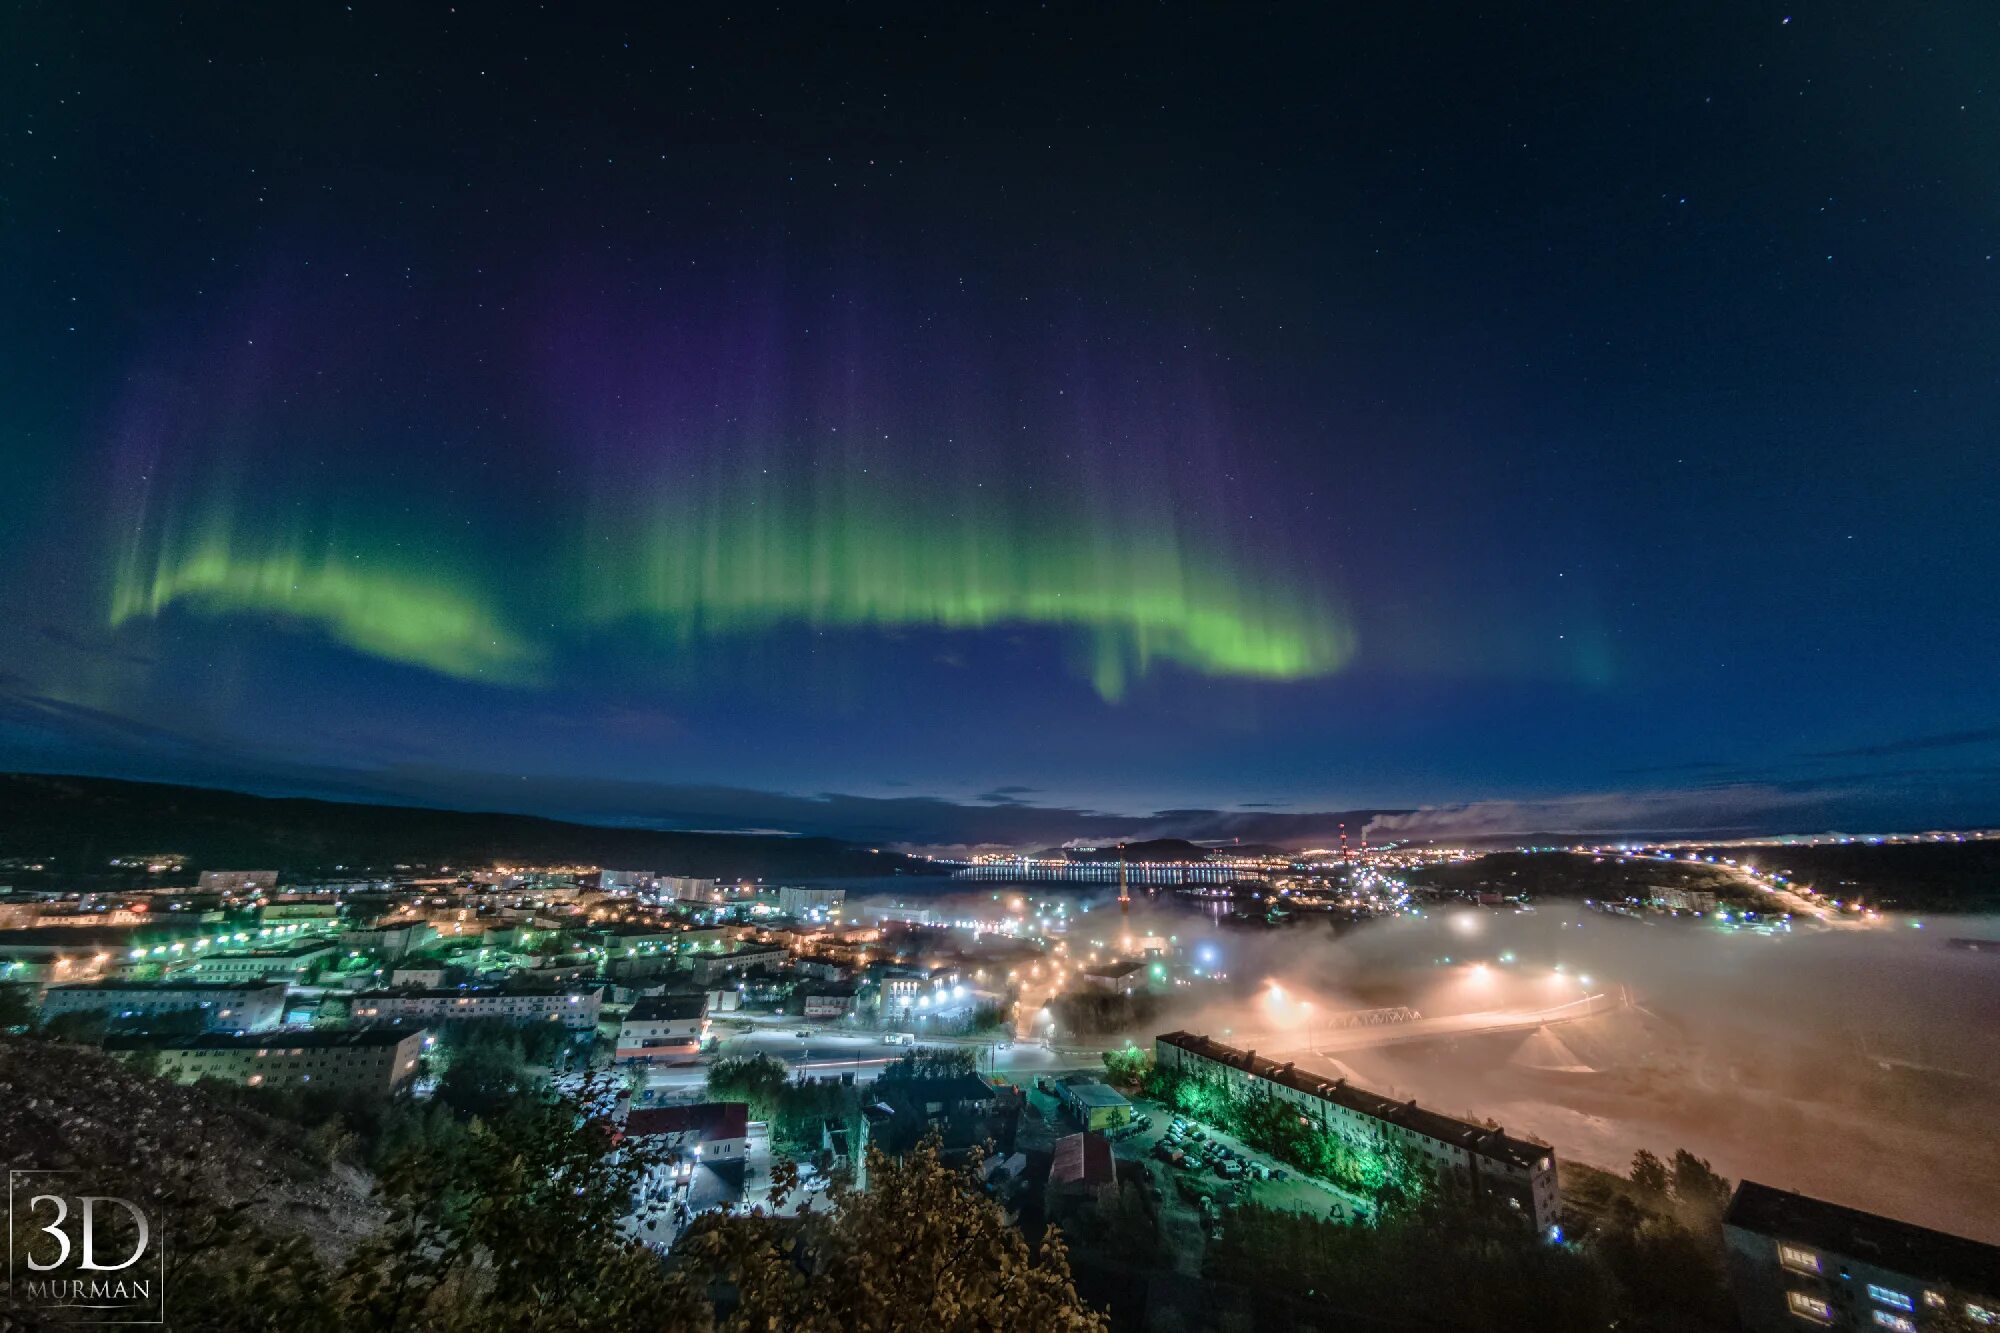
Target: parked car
803, 1032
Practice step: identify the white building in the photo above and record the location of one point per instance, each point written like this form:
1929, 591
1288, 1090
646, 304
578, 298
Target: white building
575, 1008
293, 964
810, 904
664, 1028
1488, 1162
237, 881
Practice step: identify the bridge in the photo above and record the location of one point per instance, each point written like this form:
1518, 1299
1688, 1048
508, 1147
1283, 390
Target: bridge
1166, 874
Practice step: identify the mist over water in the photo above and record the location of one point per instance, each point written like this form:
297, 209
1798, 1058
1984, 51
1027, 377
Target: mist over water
1861, 1066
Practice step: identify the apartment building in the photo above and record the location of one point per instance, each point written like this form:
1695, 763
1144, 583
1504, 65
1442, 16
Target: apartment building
230, 1006
575, 1007
375, 1061
1489, 1162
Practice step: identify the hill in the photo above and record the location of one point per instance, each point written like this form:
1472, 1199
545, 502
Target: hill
76, 825
1578, 876
73, 1108
1900, 876
1907, 877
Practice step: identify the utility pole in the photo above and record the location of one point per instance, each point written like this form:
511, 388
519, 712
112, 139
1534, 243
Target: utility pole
1124, 897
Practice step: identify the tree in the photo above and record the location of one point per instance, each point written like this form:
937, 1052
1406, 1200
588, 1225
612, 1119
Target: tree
517, 1225
921, 1249
1449, 1262
483, 1076
932, 1062
84, 1028
1128, 1066
758, 1080
1649, 1176
1698, 1192
17, 1007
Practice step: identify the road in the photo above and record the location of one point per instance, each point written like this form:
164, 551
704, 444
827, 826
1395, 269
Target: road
1332, 1042
833, 1051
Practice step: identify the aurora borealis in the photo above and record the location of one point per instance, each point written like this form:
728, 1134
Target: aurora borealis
1132, 596
617, 419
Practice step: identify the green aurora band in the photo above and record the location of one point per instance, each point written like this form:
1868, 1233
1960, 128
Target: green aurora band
377, 608
1129, 595
1133, 593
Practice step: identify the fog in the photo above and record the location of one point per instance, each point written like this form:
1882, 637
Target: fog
1861, 1066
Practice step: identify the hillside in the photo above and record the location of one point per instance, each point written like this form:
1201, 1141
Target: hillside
73, 1108
1570, 875
76, 825
1909, 877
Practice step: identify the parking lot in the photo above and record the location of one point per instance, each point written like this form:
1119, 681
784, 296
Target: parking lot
1244, 1176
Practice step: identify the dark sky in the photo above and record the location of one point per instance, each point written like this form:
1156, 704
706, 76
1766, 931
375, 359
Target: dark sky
1573, 418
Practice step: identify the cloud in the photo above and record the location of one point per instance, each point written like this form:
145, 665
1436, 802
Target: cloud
1006, 795
1713, 809
1949, 740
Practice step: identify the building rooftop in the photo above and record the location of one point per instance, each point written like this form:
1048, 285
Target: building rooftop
313, 1039
283, 951
76, 935
1935, 1256
1091, 1092
165, 986
667, 1008
1082, 1159
935, 1088
708, 1120
471, 992
1448, 1129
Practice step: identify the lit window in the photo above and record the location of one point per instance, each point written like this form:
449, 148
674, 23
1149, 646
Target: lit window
1902, 1323
1889, 1296
1807, 1306
1797, 1259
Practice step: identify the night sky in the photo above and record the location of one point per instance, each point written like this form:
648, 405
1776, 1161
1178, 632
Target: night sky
935, 426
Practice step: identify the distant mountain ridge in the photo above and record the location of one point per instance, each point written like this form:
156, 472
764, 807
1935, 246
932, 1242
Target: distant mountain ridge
75, 825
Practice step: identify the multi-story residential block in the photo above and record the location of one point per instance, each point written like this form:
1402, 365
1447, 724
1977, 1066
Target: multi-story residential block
237, 881
712, 967
1798, 1263
576, 1008
827, 999
376, 1061
292, 963
1488, 1162
231, 1006
807, 904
